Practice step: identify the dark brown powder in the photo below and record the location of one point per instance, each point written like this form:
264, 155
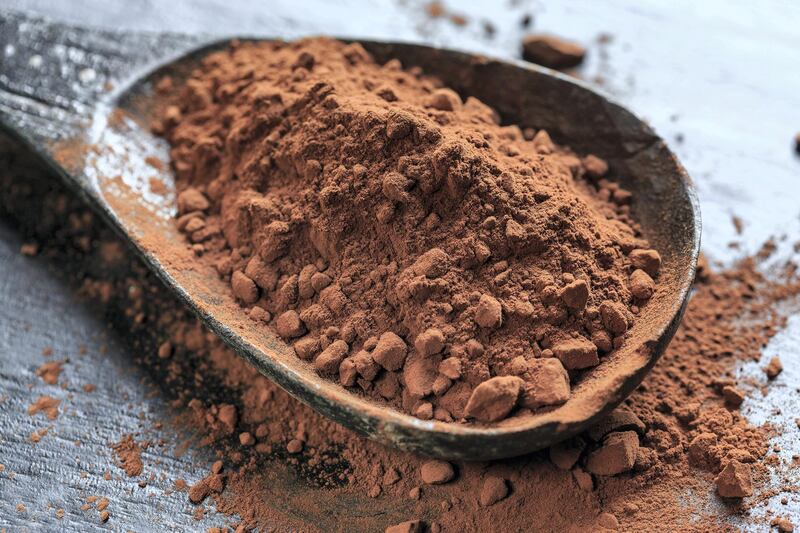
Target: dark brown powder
398, 237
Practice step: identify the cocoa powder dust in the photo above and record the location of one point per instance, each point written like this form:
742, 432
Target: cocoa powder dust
400, 239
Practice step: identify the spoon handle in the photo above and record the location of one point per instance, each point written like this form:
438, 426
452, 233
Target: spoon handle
52, 76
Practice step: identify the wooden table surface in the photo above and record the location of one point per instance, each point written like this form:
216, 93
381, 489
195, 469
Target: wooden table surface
719, 80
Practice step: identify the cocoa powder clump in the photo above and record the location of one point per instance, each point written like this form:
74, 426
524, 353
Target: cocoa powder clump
552, 51
49, 372
46, 405
347, 201
128, 454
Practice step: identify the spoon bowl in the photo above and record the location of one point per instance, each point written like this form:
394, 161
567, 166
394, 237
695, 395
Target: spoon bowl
102, 147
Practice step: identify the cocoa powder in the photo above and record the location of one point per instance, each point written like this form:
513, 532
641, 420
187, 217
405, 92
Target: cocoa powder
46, 405
400, 239
687, 438
49, 372
552, 51
128, 454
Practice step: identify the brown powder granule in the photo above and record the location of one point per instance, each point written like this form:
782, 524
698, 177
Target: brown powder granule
211, 484
158, 187
437, 472
128, 454
735, 480
102, 503
49, 372
552, 51
199, 513
494, 489
47, 405
617, 454
773, 368
382, 225
294, 446
784, 525
409, 526
733, 396
154, 162
37, 435
30, 249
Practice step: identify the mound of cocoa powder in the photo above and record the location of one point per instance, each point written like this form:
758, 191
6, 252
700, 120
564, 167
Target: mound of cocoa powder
402, 240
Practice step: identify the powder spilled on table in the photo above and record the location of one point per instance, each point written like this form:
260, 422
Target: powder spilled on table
128, 454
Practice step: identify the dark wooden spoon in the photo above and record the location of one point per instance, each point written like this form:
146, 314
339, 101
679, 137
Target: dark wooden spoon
86, 114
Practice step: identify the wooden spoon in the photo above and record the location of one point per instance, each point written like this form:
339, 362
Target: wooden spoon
86, 114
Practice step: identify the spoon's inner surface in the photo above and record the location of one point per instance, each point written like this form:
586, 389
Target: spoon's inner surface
129, 166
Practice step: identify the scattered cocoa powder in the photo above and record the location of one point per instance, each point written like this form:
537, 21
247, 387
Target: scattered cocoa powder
49, 372
212, 484
494, 489
436, 472
128, 454
615, 455
784, 525
101, 504
400, 238
438, 10
47, 405
37, 435
30, 249
773, 368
